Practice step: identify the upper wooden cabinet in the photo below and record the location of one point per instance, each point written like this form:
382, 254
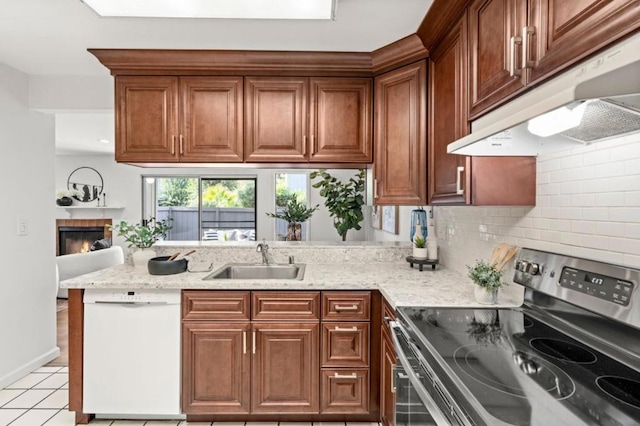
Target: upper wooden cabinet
448, 117
494, 44
400, 176
456, 179
146, 119
517, 43
297, 119
172, 119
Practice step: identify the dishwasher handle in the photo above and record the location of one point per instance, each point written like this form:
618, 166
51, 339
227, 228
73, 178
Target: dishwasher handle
129, 304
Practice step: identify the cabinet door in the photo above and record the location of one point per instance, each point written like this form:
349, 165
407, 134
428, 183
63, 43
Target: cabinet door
215, 368
275, 119
340, 120
495, 45
146, 119
387, 388
566, 31
211, 119
285, 368
448, 117
400, 136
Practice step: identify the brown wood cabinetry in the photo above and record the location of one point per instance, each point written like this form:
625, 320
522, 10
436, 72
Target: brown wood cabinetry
299, 119
173, 119
493, 51
285, 368
400, 176
266, 353
345, 352
217, 374
387, 365
456, 179
517, 43
448, 117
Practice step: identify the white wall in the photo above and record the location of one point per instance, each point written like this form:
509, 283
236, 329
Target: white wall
122, 184
587, 205
27, 290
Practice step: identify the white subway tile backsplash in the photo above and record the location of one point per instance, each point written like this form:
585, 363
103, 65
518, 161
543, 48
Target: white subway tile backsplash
587, 205
583, 173
598, 156
610, 169
624, 245
610, 199
624, 214
595, 213
612, 229
597, 185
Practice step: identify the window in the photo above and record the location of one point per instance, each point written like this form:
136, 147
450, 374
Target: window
202, 208
290, 185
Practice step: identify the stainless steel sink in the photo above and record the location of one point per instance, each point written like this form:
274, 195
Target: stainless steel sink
251, 271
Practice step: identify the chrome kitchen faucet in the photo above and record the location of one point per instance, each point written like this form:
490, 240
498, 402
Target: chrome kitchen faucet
263, 248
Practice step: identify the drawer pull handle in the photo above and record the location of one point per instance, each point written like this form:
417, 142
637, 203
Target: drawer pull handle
339, 308
527, 32
354, 328
254, 342
345, 376
459, 172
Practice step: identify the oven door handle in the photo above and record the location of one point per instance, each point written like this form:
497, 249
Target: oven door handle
426, 399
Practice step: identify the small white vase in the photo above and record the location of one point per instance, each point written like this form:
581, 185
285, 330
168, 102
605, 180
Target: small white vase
419, 253
484, 296
141, 257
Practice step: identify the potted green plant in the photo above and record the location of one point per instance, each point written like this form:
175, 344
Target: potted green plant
295, 212
419, 247
344, 200
142, 236
488, 280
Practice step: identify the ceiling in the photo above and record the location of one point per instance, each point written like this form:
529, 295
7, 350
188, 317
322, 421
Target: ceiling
45, 37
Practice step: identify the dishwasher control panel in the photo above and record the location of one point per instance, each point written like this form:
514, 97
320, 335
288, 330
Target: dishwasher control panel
132, 296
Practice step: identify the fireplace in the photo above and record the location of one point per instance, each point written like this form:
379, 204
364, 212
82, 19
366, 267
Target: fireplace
77, 235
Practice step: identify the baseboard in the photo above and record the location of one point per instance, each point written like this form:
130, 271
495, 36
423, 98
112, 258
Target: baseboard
30, 366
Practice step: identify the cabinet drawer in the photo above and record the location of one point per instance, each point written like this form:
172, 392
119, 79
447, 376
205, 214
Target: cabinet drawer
344, 391
298, 305
346, 306
215, 305
345, 344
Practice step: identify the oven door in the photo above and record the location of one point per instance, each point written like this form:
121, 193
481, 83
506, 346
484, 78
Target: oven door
414, 404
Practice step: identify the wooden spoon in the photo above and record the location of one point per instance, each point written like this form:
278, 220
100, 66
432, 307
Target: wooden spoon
188, 253
499, 252
507, 257
173, 256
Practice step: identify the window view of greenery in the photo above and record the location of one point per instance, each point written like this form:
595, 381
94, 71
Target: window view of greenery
290, 185
207, 208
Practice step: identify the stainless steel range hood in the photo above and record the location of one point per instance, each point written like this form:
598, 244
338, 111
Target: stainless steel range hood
606, 88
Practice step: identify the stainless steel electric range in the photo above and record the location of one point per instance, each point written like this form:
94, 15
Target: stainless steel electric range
569, 356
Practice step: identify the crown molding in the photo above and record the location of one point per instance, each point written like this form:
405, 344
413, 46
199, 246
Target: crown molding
402, 52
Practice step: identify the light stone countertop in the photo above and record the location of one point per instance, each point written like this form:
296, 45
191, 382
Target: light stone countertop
400, 284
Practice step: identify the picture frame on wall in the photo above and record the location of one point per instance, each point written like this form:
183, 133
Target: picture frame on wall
390, 219
376, 217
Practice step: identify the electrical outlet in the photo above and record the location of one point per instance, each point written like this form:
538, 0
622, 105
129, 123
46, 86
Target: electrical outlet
23, 227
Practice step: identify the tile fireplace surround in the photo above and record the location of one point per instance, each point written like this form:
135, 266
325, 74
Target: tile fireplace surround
79, 224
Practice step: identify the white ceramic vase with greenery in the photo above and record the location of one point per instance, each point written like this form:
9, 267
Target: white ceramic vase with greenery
487, 280
142, 237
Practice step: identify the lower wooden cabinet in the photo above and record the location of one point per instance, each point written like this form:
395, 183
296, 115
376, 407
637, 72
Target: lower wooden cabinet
273, 357
216, 376
285, 368
345, 391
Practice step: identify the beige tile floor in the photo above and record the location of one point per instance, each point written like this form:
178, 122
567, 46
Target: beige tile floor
41, 399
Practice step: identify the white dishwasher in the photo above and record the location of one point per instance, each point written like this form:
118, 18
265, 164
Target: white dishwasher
132, 353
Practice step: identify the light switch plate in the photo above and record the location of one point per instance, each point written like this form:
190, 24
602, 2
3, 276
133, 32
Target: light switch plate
23, 227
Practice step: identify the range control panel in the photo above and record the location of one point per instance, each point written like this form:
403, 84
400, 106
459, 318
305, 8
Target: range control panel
597, 285
607, 289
